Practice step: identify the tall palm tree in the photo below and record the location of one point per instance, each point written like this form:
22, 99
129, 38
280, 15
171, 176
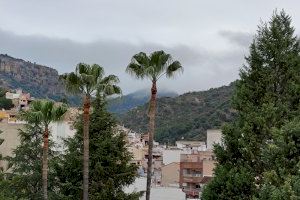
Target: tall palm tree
152, 67
86, 80
44, 112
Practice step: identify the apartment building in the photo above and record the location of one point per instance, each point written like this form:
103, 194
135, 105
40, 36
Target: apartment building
195, 170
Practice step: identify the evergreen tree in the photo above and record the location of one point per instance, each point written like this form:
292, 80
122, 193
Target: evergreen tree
281, 179
266, 98
109, 164
25, 175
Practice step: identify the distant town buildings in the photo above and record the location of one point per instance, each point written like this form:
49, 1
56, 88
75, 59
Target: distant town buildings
10, 134
194, 168
20, 100
214, 136
10, 125
188, 165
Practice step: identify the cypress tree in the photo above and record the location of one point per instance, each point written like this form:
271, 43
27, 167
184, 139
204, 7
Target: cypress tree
266, 98
109, 164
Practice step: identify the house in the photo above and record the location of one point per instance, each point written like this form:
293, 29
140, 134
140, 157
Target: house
20, 100
213, 136
191, 145
10, 135
194, 168
171, 155
138, 154
10, 126
170, 175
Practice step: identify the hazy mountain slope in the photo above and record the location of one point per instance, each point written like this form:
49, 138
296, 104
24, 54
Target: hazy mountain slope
130, 101
187, 116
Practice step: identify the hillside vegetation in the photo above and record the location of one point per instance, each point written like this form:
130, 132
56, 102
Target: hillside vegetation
187, 116
127, 102
4, 103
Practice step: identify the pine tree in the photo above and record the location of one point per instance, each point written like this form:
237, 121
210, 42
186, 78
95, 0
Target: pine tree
109, 164
266, 98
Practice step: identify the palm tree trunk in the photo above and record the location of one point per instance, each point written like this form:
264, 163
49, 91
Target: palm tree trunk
45, 163
86, 122
152, 109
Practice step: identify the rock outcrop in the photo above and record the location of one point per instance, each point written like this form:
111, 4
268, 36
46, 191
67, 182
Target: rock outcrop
40, 81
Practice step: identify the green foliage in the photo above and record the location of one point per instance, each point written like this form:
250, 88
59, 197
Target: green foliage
44, 112
5, 103
153, 66
282, 176
188, 115
267, 99
109, 160
239, 184
88, 78
24, 179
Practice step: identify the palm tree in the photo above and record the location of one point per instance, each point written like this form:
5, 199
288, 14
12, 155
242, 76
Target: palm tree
152, 67
44, 112
86, 80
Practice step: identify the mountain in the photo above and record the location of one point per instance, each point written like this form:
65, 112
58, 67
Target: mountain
38, 80
186, 116
125, 103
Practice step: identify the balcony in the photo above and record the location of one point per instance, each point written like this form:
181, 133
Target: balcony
191, 179
191, 192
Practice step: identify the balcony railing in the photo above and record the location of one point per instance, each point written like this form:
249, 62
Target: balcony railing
192, 175
191, 192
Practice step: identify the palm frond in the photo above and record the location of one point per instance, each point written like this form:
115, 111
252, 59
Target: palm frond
111, 90
97, 71
58, 112
71, 82
173, 68
82, 68
110, 79
159, 63
136, 70
43, 111
107, 86
141, 59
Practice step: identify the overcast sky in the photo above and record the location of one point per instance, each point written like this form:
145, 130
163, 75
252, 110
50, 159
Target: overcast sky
210, 38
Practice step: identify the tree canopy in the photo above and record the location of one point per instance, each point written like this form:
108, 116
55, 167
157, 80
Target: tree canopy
110, 168
267, 100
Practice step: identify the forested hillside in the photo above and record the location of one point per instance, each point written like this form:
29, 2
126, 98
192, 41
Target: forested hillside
187, 116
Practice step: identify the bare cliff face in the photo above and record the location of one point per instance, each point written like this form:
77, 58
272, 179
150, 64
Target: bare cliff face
40, 81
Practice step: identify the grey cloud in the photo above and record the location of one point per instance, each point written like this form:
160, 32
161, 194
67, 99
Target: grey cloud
203, 69
242, 39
